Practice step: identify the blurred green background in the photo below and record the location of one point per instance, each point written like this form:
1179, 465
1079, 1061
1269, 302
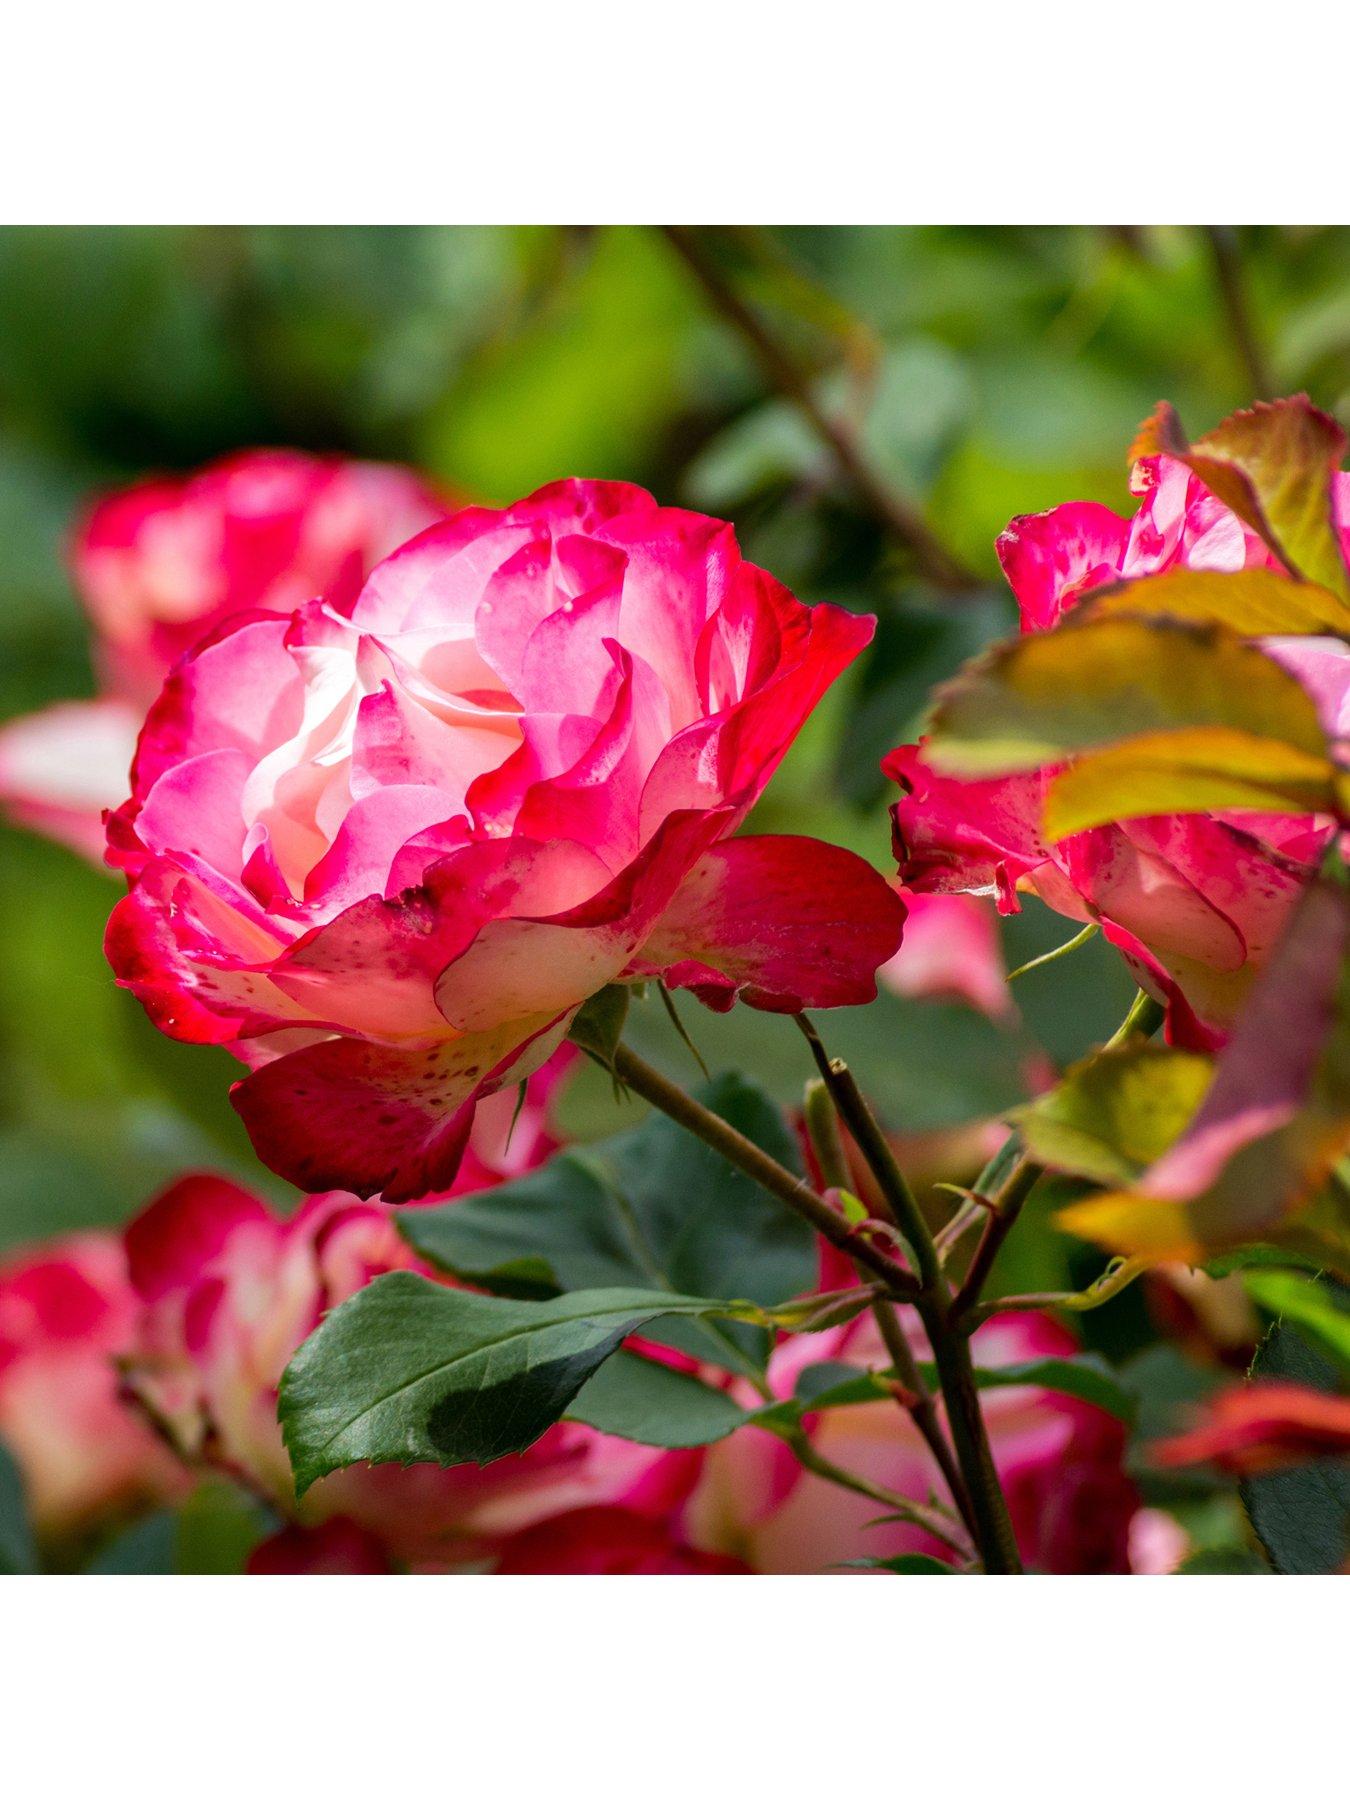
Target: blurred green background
981, 373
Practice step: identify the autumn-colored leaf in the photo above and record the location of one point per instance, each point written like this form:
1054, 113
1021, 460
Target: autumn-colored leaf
1115, 1113
1254, 602
1272, 465
1254, 1162
1160, 715
1209, 769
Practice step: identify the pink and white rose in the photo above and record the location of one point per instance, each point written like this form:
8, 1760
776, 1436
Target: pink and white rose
1195, 902
67, 1312
158, 566
385, 853
228, 1291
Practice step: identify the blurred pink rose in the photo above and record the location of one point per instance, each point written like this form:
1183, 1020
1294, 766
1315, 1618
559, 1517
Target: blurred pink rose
228, 1291
161, 564
951, 951
87, 1458
1059, 1460
385, 855
1195, 902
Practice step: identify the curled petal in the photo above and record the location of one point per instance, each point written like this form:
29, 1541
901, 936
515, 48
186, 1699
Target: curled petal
783, 922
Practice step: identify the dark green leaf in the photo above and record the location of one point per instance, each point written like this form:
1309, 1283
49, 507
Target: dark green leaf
1084, 1377
406, 1371
633, 1397
1320, 1310
652, 1207
1301, 1515
18, 1552
913, 1563
149, 1547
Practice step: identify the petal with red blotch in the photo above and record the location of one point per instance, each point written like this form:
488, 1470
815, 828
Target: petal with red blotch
62, 768
170, 1244
359, 1116
1052, 558
374, 968
785, 922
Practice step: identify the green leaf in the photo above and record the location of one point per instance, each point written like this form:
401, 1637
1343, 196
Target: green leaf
633, 1397
650, 1208
1225, 1560
218, 1525
598, 1026
913, 1563
1115, 1113
406, 1371
1084, 1377
1302, 1515
18, 1552
1320, 1309
1258, 1256
828, 1385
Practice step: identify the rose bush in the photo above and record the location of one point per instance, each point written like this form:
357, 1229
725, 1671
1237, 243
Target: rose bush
67, 1311
384, 854
228, 1290
1195, 902
160, 564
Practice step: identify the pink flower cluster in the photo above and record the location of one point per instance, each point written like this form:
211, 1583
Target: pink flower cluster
162, 564
215, 1292
385, 851
1195, 902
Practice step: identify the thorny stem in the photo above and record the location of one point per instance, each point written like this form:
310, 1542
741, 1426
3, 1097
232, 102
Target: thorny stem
902, 1208
989, 1511
919, 1405
738, 1150
1003, 1215
990, 1522
901, 518
822, 1127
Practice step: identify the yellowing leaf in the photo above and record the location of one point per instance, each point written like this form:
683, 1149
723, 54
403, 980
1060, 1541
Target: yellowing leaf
1273, 466
1205, 769
1115, 1113
1253, 602
1086, 686
1255, 1163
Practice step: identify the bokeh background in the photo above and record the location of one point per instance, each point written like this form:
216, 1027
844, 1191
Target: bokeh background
981, 372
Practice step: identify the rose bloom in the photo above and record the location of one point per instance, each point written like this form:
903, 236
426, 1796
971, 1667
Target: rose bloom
385, 854
161, 564
87, 1459
229, 1291
1058, 1458
951, 951
1195, 902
